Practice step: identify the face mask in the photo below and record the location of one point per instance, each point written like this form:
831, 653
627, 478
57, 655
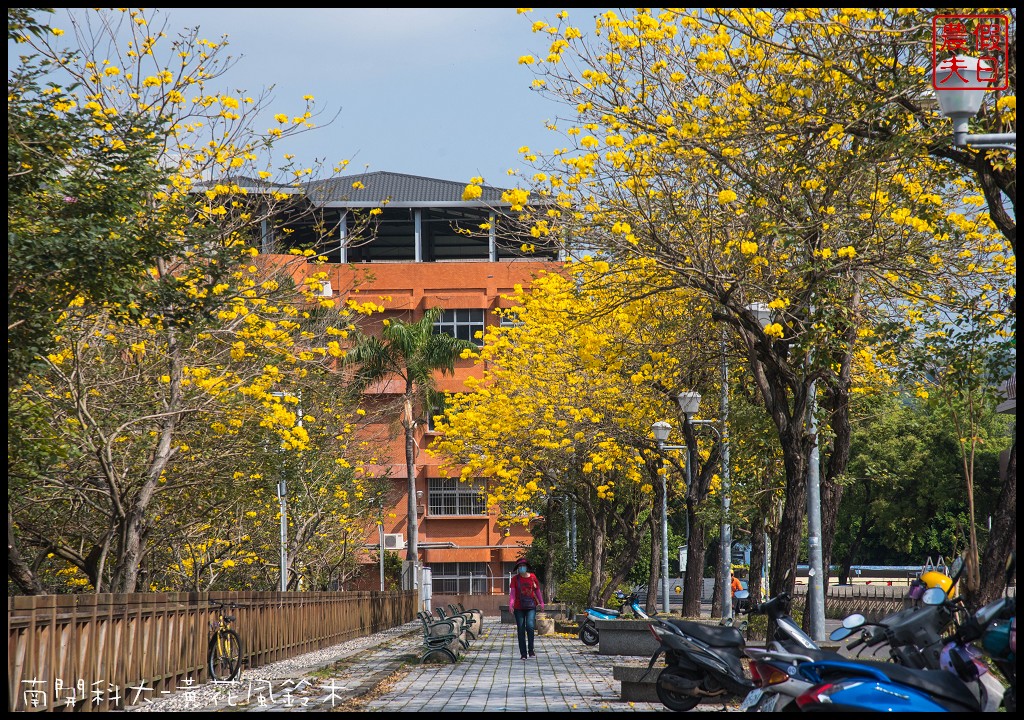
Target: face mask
523, 570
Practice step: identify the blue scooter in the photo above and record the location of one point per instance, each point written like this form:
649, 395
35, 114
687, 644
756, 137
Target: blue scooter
963, 684
588, 631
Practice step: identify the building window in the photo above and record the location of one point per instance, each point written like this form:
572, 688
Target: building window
436, 406
460, 578
462, 324
508, 318
451, 496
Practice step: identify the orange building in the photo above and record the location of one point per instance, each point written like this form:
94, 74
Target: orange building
418, 259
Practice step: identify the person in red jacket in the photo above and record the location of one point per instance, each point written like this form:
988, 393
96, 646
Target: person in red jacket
525, 598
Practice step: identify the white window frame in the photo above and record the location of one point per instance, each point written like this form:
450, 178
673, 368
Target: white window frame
450, 497
472, 319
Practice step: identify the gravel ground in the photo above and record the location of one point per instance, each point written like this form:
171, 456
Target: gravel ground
336, 678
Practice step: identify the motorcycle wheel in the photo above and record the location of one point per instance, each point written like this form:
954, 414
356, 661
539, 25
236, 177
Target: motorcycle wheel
588, 634
674, 700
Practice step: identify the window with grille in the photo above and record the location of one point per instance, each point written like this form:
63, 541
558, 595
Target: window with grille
463, 324
460, 578
450, 496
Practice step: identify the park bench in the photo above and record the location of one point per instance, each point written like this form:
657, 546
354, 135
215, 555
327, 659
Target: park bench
440, 639
471, 620
461, 623
478, 617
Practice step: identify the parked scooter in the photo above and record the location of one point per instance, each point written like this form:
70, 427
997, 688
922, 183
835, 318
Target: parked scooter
588, 630
703, 661
962, 684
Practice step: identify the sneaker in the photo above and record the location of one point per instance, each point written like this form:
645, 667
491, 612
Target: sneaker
533, 654
523, 657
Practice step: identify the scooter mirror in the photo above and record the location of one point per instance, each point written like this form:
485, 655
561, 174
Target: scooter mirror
854, 621
741, 595
934, 596
840, 633
956, 568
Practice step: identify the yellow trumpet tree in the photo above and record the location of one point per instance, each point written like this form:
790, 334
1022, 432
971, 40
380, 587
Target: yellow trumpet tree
736, 149
565, 404
149, 399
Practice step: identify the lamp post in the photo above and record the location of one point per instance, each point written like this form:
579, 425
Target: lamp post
661, 430
689, 402
960, 92
282, 497
726, 557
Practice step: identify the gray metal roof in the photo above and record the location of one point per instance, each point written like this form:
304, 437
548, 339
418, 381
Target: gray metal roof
398, 190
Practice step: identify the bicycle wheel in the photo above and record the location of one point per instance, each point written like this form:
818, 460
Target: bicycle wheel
224, 656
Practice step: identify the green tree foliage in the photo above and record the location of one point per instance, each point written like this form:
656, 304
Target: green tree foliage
77, 216
905, 499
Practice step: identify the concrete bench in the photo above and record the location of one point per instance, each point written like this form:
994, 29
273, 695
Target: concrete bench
464, 621
626, 637
440, 640
638, 684
475, 614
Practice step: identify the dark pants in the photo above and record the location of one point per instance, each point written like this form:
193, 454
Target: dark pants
525, 622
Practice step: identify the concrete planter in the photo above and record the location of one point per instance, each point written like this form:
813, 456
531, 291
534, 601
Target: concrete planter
544, 624
626, 637
638, 683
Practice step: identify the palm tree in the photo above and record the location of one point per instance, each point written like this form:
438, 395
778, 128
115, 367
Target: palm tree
412, 352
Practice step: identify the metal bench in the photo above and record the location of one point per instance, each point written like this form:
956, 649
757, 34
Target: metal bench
469, 619
476, 614
461, 624
440, 639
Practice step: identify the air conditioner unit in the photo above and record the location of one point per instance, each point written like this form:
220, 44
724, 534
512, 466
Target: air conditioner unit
394, 541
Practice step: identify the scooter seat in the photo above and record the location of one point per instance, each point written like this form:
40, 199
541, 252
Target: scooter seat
713, 635
607, 611
940, 684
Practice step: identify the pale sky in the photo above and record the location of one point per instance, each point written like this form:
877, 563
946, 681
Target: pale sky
436, 92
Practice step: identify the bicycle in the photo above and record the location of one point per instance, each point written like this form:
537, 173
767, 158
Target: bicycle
224, 655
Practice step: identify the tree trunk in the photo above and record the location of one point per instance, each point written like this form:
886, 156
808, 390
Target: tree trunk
838, 398
17, 569
412, 526
693, 585
1002, 539
786, 548
597, 546
716, 593
757, 550
549, 555
838, 460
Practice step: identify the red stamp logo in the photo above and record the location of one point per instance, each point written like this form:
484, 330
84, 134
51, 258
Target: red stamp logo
971, 52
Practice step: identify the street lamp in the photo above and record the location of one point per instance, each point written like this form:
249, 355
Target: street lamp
661, 430
689, 402
282, 495
726, 533
960, 92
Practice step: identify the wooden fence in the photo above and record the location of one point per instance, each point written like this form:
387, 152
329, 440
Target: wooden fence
99, 652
